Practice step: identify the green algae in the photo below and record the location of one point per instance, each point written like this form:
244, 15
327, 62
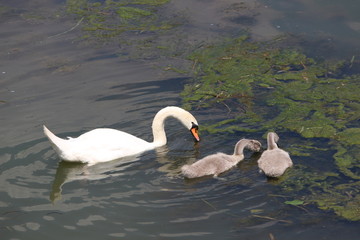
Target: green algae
308, 101
111, 18
127, 13
347, 159
344, 200
324, 190
262, 87
295, 92
295, 202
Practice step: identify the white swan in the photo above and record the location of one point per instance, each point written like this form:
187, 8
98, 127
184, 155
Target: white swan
105, 144
220, 162
274, 161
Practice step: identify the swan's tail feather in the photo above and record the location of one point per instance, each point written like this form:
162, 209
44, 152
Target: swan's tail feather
55, 141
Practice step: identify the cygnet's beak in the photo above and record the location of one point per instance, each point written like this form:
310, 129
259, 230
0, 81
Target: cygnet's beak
194, 131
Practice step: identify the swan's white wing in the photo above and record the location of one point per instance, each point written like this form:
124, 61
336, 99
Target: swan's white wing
110, 139
103, 144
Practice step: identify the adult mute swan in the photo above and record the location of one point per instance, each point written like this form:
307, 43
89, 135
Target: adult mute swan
220, 162
274, 161
105, 144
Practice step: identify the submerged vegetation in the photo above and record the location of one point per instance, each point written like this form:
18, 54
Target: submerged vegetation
309, 98
263, 87
110, 18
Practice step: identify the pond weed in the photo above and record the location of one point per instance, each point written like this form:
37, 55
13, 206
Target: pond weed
283, 89
111, 18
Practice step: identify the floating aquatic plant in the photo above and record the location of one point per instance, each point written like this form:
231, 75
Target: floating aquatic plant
110, 18
267, 87
295, 202
326, 190
307, 96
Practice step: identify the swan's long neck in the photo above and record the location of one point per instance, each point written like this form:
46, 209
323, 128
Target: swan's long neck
158, 129
158, 125
272, 138
240, 145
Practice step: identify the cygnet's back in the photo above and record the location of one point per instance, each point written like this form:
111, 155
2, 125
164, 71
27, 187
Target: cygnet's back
219, 162
274, 161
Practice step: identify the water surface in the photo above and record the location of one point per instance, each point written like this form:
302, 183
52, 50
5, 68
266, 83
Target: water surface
52, 79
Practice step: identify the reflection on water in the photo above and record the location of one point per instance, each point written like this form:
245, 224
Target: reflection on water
68, 172
171, 166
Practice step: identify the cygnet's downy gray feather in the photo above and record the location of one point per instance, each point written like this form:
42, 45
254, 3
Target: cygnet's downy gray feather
274, 161
220, 162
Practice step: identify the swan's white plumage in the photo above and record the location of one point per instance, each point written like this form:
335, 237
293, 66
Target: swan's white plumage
105, 144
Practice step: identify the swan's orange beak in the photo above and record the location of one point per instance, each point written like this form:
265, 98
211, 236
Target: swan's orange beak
194, 131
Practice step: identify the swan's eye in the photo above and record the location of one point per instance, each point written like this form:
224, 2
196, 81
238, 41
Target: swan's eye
194, 125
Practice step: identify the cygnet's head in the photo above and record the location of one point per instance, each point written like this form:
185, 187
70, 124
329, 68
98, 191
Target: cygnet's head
254, 146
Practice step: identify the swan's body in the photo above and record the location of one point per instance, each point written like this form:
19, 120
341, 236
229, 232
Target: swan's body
105, 144
274, 161
219, 162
